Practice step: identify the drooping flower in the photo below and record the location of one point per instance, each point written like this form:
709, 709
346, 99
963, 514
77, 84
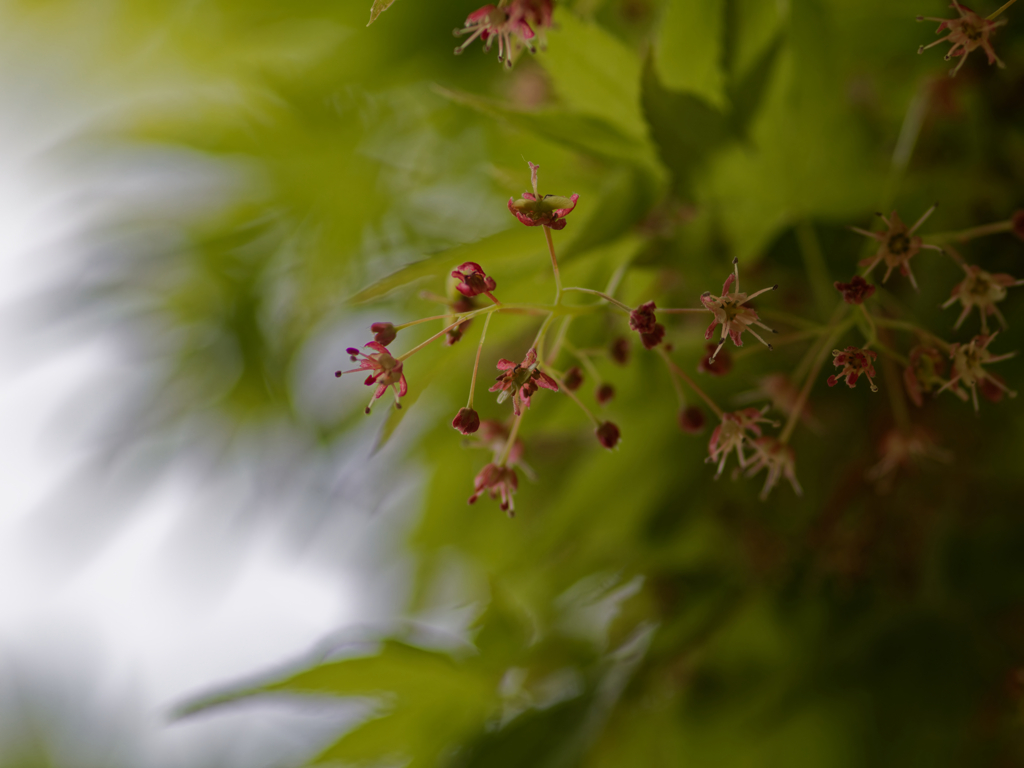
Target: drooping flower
521, 381
900, 448
898, 245
968, 360
643, 321
780, 461
922, 374
983, 290
535, 12
735, 318
691, 420
855, 291
384, 333
386, 371
534, 209
497, 481
730, 434
473, 281
573, 378
966, 33
497, 22
855, 363
466, 421
607, 434
604, 393
716, 365
619, 350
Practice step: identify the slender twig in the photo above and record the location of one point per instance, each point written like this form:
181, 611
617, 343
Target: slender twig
999, 10
605, 296
554, 265
963, 235
476, 364
689, 382
511, 440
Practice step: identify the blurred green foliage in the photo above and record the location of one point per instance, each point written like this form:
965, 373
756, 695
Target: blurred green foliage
635, 612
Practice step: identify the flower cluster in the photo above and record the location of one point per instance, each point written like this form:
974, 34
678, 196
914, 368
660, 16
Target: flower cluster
855, 363
966, 33
509, 24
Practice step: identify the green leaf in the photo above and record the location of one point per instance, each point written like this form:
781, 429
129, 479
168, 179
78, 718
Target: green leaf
378, 7
689, 52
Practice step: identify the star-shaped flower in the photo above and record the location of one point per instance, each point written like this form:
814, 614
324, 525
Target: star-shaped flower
534, 209
386, 371
983, 290
780, 461
901, 448
899, 245
730, 434
855, 363
521, 381
966, 33
498, 481
728, 310
505, 23
968, 360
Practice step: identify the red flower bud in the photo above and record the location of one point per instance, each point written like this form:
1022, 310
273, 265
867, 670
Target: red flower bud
1018, 223
691, 420
467, 421
473, 280
643, 321
855, 291
717, 366
604, 393
620, 350
608, 434
384, 333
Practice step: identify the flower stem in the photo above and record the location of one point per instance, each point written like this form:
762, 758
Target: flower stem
999, 10
587, 362
604, 296
903, 325
559, 339
439, 334
789, 338
963, 235
681, 310
814, 263
476, 363
873, 337
689, 382
820, 358
541, 333
511, 440
554, 265
572, 396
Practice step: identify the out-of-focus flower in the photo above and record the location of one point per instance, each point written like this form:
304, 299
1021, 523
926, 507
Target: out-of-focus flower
923, 374
607, 434
1018, 223
983, 290
458, 306
728, 310
505, 23
384, 333
643, 321
716, 365
729, 435
473, 280
604, 393
521, 381
534, 209
855, 363
467, 421
855, 291
691, 420
900, 448
497, 481
386, 371
573, 378
966, 33
779, 460
898, 245
619, 350
968, 360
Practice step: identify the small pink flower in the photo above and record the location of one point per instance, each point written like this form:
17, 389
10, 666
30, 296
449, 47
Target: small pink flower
386, 371
691, 420
573, 378
899, 245
966, 33
608, 434
467, 421
643, 321
473, 281
922, 375
384, 333
780, 461
730, 434
521, 381
534, 209
855, 291
604, 394
983, 290
506, 24
902, 449
735, 318
498, 481
855, 363
968, 360
619, 350
715, 365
